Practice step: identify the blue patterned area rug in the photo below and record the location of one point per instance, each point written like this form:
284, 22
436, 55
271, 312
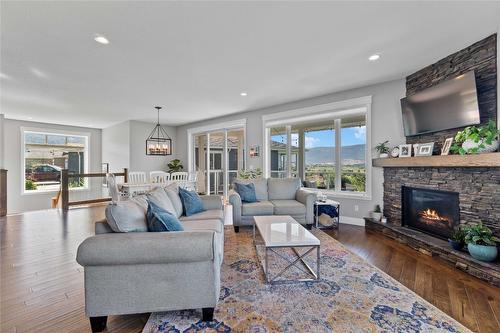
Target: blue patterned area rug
351, 296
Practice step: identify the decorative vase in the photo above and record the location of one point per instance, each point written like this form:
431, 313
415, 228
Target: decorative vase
483, 252
469, 144
383, 155
455, 245
376, 216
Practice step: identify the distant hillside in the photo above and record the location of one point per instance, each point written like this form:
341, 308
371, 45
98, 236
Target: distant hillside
319, 155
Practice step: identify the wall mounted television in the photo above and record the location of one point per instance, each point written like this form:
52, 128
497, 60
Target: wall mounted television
450, 104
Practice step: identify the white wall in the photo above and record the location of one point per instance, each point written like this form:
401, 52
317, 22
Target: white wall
18, 202
139, 161
116, 146
124, 146
386, 125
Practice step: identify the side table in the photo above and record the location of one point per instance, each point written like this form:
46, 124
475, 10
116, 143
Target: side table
330, 208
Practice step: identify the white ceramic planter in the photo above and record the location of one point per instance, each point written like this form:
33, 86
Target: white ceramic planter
383, 155
376, 216
469, 144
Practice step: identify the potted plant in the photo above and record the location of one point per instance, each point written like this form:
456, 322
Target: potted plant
473, 140
480, 242
250, 174
377, 213
382, 149
457, 239
175, 165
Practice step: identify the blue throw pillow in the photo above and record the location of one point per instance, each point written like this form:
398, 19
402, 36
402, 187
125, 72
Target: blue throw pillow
246, 192
191, 202
159, 219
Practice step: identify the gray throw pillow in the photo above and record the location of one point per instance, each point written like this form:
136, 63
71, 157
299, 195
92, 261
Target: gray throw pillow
176, 201
283, 188
161, 199
126, 216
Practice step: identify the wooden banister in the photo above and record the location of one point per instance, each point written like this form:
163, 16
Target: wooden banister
64, 193
3, 192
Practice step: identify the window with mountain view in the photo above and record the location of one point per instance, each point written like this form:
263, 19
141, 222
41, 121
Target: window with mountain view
328, 154
46, 154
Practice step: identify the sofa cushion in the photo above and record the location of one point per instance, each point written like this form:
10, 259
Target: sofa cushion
160, 220
283, 188
197, 225
211, 214
161, 199
257, 208
173, 195
260, 186
246, 192
126, 216
191, 202
288, 207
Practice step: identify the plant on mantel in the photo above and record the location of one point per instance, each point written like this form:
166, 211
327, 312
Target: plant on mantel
473, 140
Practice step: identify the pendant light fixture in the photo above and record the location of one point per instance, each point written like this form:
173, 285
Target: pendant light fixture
158, 142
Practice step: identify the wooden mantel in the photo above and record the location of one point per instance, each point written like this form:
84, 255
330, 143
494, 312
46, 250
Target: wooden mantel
441, 161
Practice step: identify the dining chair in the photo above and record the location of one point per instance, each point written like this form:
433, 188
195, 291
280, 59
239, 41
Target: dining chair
192, 181
159, 177
137, 177
113, 190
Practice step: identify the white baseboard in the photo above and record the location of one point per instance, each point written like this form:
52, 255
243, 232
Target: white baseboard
352, 220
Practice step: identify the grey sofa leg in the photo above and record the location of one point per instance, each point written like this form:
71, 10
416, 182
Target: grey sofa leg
98, 324
208, 314
309, 226
236, 228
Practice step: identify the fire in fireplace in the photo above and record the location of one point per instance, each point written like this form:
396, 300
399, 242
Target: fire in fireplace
432, 211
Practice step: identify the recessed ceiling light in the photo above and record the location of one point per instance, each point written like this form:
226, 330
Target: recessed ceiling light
374, 57
101, 39
243, 94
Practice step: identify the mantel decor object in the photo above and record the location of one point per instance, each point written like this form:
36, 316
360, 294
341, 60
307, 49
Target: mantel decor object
158, 141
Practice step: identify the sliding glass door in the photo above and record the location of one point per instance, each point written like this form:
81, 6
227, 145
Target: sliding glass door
218, 157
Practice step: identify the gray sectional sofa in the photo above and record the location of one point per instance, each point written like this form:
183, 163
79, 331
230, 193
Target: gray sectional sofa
276, 196
138, 272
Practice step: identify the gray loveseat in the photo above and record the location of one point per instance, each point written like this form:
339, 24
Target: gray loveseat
276, 196
138, 272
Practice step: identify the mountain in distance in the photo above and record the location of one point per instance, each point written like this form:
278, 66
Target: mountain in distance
354, 154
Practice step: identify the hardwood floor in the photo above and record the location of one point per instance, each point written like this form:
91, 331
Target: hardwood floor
42, 285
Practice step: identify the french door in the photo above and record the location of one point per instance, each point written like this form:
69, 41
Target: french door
218, 155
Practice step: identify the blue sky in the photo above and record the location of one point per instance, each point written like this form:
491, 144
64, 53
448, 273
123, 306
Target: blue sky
325, 138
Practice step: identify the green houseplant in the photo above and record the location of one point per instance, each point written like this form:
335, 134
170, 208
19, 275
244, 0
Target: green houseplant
457, 239
250, 174
377, 213
175, 165
480, 242
382, 149
473, 140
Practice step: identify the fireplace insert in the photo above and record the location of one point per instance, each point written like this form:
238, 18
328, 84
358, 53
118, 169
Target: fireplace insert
431, 211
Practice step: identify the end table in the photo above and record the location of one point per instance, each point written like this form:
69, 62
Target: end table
330, 208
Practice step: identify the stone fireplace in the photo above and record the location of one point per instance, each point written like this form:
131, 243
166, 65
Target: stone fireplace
435, 212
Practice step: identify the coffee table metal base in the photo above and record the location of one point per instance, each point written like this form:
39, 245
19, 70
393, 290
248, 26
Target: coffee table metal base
291, 263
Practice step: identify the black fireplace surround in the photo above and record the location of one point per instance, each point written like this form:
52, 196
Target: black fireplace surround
431, 211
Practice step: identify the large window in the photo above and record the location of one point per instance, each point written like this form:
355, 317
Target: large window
46, 154
328, 151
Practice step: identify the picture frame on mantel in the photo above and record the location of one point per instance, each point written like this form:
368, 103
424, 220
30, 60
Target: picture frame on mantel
425, 149
446, 146
405, 150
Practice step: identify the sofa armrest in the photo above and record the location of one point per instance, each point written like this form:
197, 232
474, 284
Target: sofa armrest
212, 202
307, 198
235, 201
136, 248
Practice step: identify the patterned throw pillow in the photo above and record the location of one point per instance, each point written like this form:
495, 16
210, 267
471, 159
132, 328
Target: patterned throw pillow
246, 192
158, 219
191, 202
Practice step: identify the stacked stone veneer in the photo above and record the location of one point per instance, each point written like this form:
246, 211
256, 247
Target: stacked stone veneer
478, 188
480, 57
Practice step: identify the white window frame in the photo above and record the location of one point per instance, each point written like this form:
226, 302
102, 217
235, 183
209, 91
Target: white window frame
86, 155
333, 112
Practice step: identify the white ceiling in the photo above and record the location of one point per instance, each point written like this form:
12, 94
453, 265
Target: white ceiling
196, 58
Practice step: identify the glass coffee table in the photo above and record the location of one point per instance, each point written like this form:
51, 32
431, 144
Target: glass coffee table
282, 231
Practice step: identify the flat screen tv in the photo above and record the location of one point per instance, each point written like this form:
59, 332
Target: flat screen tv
450, 104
